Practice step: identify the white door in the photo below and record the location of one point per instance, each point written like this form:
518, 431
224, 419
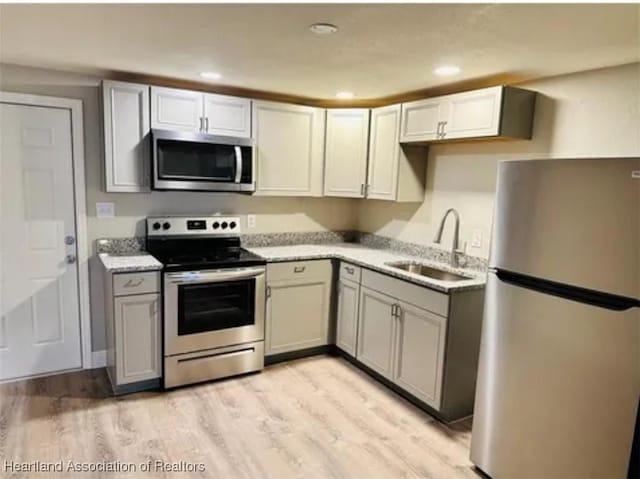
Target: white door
421, 120
384, 152
227, 115
173, 109
474, 114
345, 162
39, 305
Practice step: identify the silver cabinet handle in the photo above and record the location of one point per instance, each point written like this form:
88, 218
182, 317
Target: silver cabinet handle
299, 269
438, 130
70, 258
133, 284
444, 124
268, 291
238, 152
362, 188
206, 124
201, 124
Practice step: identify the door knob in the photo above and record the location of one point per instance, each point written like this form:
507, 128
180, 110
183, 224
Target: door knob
71, 258
69, 240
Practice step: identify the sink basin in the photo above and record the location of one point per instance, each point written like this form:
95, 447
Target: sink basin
428, 271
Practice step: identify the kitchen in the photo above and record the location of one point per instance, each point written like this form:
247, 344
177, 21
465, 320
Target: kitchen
325, 217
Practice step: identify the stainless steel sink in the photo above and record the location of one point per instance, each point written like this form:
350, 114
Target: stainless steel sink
428, 271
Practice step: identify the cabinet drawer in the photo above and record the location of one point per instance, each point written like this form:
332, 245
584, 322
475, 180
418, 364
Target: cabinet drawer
136, 283
350, 271
419, 296
299, 270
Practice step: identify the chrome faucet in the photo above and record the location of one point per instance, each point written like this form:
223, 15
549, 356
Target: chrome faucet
455, 247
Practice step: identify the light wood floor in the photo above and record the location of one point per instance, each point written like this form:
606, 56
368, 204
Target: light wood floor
318, 417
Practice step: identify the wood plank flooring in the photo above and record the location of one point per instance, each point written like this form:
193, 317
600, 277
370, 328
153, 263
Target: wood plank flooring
318, 417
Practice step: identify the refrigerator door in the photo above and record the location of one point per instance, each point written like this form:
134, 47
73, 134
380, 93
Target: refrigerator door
558, 386
574, 222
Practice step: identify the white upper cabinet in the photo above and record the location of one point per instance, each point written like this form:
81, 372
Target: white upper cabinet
126, 126
289, 149
500, 111
227, 115
173, 109
396, 173
421, 120
347, 135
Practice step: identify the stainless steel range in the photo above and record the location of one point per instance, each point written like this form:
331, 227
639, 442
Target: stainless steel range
213, 298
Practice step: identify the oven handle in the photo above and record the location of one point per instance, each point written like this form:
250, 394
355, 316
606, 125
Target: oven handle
192, 277
238, 163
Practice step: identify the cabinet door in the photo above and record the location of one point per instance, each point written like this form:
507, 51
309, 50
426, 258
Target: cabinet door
137, 331
346, 152
474, 114
227, 115
347, 327
382, 182
289, 149
420, 353
421, 119
126, 143
297, 315
376, 330
173, 109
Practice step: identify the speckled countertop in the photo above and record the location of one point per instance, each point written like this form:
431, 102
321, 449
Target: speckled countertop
374, 259
128, 263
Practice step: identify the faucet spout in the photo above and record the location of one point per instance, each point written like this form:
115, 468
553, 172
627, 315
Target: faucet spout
456, 235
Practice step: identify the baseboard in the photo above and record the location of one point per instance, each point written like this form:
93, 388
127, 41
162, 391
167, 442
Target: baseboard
98, 359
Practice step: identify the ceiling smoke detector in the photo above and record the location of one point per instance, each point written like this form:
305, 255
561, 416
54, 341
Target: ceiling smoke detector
323, 28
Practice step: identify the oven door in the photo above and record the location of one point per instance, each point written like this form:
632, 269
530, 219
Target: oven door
212, 309
201, 162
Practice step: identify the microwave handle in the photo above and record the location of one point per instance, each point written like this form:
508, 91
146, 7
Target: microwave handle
238, 163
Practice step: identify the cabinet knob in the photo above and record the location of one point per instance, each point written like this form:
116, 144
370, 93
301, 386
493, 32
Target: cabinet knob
70, 258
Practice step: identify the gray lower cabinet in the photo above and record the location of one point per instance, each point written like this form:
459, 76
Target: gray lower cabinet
298, 306
376, 331
133, 331
347, 315
423, 341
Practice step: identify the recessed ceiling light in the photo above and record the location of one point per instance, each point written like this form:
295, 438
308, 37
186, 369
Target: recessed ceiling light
344, 95
447, 70
323, 28
211, 75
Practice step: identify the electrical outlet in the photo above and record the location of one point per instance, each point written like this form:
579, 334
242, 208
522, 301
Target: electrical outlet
251, 221
105, 210
476, 238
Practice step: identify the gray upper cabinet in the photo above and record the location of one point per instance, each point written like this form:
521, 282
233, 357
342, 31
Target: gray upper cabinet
178, 110
185, 110
227, 115
395, 172
500, 112
126, 126
345, 164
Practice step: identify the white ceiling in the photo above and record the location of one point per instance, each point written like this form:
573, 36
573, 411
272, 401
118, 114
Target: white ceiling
381, 50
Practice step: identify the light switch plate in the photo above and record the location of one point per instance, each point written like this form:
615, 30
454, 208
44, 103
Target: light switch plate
476, 238
105, 210
251, 221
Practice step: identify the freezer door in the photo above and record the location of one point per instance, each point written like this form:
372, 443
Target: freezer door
558, 387
575, 222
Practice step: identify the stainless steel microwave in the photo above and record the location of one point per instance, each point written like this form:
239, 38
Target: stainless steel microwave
201, 162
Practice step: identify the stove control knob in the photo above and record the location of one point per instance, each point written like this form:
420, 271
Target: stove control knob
156, 225
166, 225
232, 225
216, 225
224, 225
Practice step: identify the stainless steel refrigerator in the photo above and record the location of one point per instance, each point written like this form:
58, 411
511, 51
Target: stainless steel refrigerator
559, 369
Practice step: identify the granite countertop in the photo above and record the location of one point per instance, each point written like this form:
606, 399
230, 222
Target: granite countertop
374, 259
129, 263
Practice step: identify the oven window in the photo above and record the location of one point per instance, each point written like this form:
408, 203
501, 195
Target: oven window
215, 306
182, 160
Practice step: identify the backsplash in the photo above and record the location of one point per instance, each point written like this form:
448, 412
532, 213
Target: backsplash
121, 246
